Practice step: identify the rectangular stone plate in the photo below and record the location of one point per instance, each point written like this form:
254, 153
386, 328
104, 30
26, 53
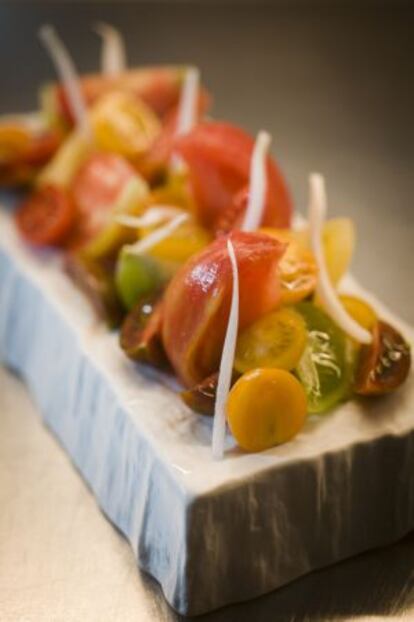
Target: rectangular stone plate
211, 533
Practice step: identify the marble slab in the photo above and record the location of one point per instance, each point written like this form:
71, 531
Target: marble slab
211, 533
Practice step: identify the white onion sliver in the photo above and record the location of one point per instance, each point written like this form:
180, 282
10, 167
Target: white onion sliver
68, 75
113, 58
153, 216
258, 183
187, 112
226, 363
324, 288
156, 236
187, 109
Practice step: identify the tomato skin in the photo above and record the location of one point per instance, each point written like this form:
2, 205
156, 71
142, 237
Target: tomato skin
265, 408
95, 189
384, 364
197, 300
46, 217
20, 165
276, 340
158, 157
218, 156
140, 336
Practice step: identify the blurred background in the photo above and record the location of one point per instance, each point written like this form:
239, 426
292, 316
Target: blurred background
334, 84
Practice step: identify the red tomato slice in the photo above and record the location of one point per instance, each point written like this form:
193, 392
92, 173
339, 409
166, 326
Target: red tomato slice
46, 217
194, 341
218, 156
95, 189
158, 157
42, 147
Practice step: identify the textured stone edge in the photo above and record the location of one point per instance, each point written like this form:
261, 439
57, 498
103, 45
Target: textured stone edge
216, 549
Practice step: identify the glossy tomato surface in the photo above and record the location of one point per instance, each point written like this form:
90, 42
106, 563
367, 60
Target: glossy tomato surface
218, 156
46, 217
197, 301
95, 190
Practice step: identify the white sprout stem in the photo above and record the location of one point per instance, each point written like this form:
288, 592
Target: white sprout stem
324, 287
113, 55
68, 75
153, 216
187, 111
226, 363
154, 238
187, 108
258, 183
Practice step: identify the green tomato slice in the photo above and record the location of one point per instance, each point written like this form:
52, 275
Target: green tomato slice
326, 366
139, 275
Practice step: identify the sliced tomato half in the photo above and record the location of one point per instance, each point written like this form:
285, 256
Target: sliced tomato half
197, 300
95, 189
159, 154
218, 156
46, 218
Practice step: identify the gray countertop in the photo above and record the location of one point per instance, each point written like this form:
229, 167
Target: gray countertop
335, 87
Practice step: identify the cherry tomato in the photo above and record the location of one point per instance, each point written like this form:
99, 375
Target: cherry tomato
297, 268
360, 310
95, 189
384, 364
23, 151
266, 407
276, 340
46, 217
157, 159
202, 397
140, 336
218, 156
197, 300
14, 141
184, 242
326, 366
338, 240
122, 124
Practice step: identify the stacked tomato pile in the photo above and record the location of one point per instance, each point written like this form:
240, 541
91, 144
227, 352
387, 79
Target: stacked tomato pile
143, 214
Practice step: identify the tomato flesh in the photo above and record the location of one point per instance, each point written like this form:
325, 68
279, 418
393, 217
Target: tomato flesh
276, 340
197, 300
46, 217
218, 156
95, 189
384, 364
266, 407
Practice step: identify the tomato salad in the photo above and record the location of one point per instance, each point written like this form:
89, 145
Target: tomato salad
179, 229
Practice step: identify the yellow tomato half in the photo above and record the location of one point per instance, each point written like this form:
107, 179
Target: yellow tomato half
360, 310
276, 340
297, 267
124, 125
266, 407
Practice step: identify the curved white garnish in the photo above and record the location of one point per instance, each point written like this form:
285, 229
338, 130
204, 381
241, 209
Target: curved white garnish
67, 73
187, 111
113, 55
154, 215
187, 108
154, 238
258, 183
132, 192
324, 288
226, 363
